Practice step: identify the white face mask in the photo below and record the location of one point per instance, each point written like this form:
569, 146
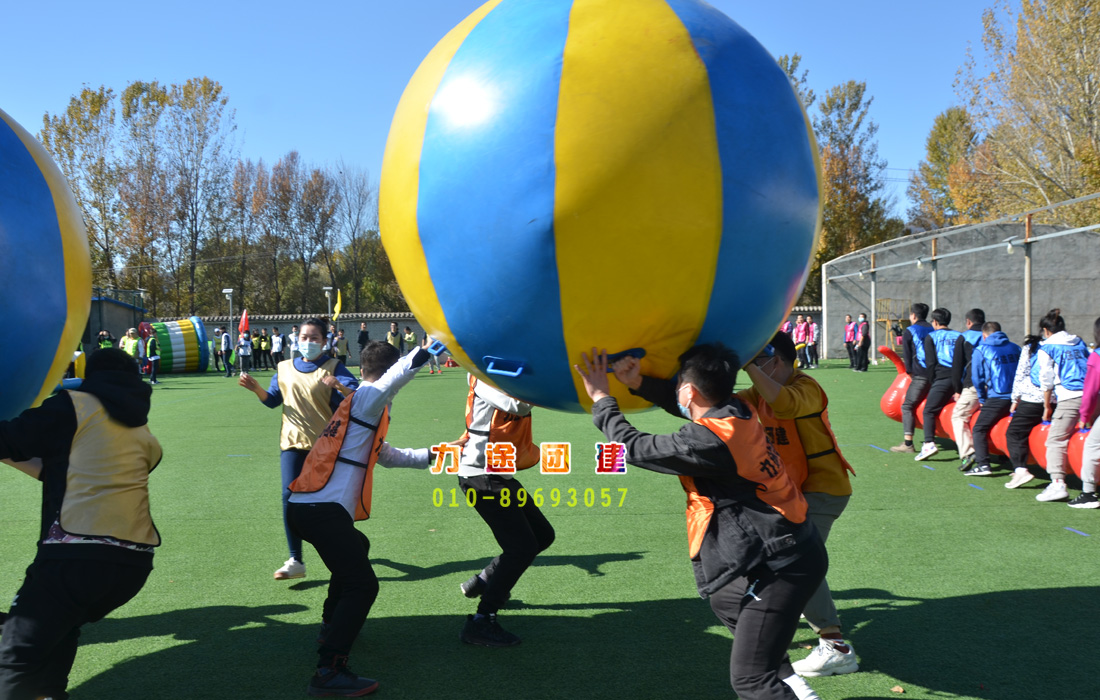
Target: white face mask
309, 349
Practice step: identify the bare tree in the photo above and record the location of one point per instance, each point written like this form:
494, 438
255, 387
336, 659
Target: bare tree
200, 127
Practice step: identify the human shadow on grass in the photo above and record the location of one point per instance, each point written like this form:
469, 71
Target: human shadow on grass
633, 650
589, 563
1007, 644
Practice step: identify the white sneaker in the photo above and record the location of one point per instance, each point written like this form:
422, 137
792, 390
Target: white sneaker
827, 660
291, 569
801, 688
1055, 491
1019, 478
926, 450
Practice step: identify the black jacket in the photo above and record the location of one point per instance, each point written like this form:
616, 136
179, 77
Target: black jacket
744, 532
50, 432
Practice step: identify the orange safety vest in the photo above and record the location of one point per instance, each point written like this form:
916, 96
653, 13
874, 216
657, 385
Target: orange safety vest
322, 459
507, 427
758, 462
783, 434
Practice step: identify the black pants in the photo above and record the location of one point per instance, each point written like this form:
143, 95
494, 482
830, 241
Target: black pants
804, 356
40, 636
521, 531
918, 389
154, 365
850, 346
1027, 416
352, 587
861, 357
940, 394
276, 358
762, 609
226, 357
217, 360
811, 353
992, 411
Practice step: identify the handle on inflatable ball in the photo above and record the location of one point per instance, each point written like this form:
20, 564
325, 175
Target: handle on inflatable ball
638, 353
505, 368
72, 383
437, 348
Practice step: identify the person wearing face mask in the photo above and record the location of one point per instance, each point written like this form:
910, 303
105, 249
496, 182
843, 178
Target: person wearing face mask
755, 552
793, 409
309, 389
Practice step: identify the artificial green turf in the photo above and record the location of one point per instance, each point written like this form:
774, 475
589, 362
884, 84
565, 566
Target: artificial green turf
945, 590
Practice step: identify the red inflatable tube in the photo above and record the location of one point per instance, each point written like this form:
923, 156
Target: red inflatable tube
895, 395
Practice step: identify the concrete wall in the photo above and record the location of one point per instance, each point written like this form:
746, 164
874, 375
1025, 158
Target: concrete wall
1065, 274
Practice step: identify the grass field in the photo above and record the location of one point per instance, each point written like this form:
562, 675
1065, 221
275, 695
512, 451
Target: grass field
946, 589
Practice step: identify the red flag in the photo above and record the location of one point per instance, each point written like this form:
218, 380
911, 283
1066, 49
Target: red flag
243, 327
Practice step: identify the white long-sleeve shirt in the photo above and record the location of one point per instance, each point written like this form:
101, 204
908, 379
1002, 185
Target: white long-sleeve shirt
345, 485
1023, 389
486, 400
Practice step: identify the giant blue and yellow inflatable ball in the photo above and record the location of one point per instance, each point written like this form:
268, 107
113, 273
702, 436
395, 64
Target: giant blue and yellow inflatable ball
45, 271
567, 173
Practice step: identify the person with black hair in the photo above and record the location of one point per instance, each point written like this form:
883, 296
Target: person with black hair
850, 340
813, 333
92, 450
994, 365
943, 353
756, 554
309, 389
1063, 359
334, 491
916, 366
1026, 411
522, 531
966, 403
794, 411
152, 353
863, 343
1090, 410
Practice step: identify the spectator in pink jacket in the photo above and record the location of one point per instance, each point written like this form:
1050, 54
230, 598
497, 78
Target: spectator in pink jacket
850, 340
812, 335
1089, 412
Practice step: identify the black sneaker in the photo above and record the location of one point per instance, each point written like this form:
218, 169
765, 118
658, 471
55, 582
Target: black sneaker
339, 681
1085, 500
323, 632
967, 463
980, 470
474, 587
486, 632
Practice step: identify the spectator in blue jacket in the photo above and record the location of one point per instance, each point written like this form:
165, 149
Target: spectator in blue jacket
993, 370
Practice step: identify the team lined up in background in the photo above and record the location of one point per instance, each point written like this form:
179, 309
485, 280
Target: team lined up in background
1050, 378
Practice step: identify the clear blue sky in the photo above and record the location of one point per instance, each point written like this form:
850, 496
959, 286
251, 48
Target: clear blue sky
324, 78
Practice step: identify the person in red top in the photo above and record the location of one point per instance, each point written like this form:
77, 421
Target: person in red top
755, 553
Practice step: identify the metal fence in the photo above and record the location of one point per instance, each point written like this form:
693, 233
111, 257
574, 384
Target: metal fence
1014, 268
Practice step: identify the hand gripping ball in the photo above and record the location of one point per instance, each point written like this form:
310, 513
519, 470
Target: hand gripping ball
45, 271
567, 173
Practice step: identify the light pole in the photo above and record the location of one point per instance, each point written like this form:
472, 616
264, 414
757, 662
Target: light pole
328, 296
229, 295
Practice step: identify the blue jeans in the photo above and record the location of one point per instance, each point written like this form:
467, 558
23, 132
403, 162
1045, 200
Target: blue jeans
290, 463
